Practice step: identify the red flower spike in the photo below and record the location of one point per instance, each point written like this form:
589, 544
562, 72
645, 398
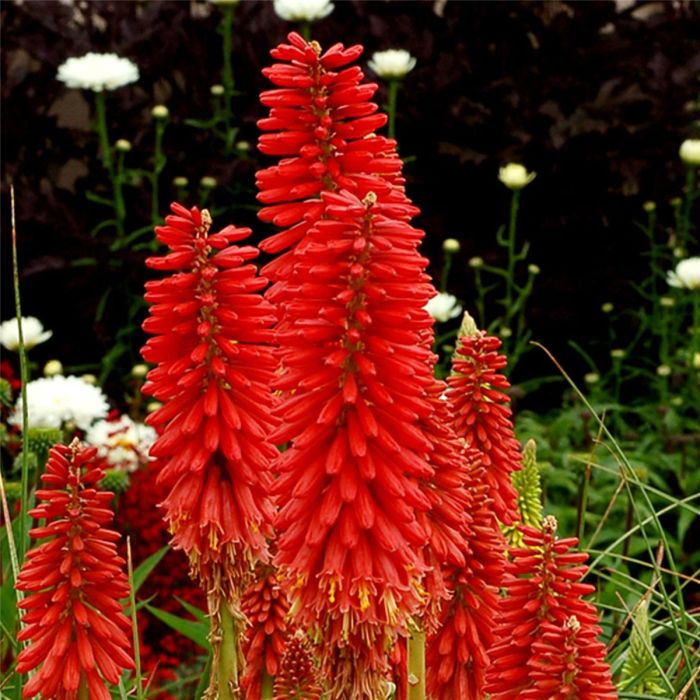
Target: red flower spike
482, 416
543, 591
214, 365
322, 121
352, 483
297, 679
74, 582
457, 651
568, 663
265, 606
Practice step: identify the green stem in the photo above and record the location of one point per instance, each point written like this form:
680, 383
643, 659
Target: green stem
227, 73
134, 624
391, 107
480, 302
102, 132
583, 502
268, 684
416, 665
228, 657
446, 271
305, 30
510, 248
684, 228
158, 165
22, 537
117, 182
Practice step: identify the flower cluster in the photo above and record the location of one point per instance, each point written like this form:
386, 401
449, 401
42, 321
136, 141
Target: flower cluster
546, 644
209, 327
356, 364
265, 606
74, 582
122, 442
482, 416
56, 401
98, 72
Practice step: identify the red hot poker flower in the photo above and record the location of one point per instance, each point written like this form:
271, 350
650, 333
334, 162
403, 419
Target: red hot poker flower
211, 334
354, 384
322, 122
265, 605
482, 416
568, 663
457, 653
74, 582
544, 590
297, 679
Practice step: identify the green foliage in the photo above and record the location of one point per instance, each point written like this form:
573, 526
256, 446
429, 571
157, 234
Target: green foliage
41, 440
115, 480
528, 485
639, 672
5, 392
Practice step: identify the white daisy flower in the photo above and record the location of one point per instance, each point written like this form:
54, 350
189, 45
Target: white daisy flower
690, 152
515, 176
442, 307
392, 63
98, 72
32, 330
303, 10
122, 442
56, 400
686, 275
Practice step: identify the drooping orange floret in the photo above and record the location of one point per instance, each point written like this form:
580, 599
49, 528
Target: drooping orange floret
74, 582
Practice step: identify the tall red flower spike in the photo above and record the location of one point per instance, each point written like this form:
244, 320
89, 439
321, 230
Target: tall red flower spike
482, 416
74, 583
297, 679
457, 652
322, 122
265, 606
354, 381
214, 366
544, 591
568, 663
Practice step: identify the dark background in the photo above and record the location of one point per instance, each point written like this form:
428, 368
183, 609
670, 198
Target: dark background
593, 96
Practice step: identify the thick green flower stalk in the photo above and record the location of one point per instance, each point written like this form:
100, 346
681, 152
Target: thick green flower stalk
640, 674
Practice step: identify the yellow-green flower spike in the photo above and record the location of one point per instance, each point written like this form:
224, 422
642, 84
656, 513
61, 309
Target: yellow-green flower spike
529, 487
639, 673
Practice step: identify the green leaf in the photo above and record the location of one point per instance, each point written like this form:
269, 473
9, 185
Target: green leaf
196, 631
196, 612
143, 570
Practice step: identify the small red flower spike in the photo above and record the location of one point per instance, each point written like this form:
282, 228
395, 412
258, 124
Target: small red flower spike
568, 663
297, 679
482, 416
543, 594
265, 606
74, 582
457, 652
210, 328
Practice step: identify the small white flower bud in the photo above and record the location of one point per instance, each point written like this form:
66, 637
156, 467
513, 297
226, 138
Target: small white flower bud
243, 146
607, 307
52, 368
139, 371
663, 370
617, 353
533, 269
217, 90
89, 379
123, 145
690, 152
649, 207
476, 262
515, 176
667, 302
152, 406
180, 181
591, 377
505, 332
451, 245
160, 112
696, 360
208, 182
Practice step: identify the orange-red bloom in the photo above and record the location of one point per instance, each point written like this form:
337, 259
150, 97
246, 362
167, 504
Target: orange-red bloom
211, 328
298, 678
457, 653
322, 121
535, 634
74, 582
482, 416
265, 605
